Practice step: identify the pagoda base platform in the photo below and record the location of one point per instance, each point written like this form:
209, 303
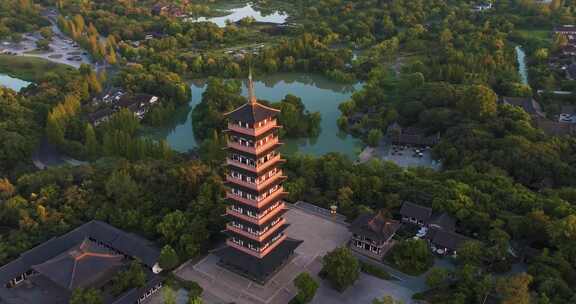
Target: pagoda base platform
253, 268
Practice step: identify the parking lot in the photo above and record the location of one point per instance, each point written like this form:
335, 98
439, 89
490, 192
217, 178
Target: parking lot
406, 156
62, 48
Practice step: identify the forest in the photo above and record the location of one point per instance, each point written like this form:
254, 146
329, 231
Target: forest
435, 64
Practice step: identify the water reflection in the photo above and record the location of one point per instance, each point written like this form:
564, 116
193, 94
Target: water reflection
317, 93
237, 14
13, 83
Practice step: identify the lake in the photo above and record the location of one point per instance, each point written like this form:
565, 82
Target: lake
13, 83
238, 13
318, 95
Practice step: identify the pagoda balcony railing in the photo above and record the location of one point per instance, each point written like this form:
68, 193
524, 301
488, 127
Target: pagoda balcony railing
253, 131
258, 168
251, 149
257, 237
264, 218
255, 186
256, 203
257, 253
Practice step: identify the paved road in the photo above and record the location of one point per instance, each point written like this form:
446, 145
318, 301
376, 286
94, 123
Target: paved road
46, 155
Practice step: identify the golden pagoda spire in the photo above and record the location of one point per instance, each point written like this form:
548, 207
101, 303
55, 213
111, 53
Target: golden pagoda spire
251, 96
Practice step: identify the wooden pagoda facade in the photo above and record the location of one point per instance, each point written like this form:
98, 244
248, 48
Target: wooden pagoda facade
257, 245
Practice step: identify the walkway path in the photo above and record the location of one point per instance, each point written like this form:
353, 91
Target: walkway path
46, 155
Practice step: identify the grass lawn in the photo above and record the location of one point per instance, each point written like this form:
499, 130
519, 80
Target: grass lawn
537, 34
29, 68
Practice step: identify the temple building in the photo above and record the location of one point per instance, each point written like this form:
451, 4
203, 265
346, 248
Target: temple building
257, 246
88, 257
372, 234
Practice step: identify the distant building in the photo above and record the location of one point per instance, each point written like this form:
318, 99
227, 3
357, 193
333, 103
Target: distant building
109, 96
89, 256
445, 242
569, 50
139, 104
571, 71
556, 128
442, 237
411, 136
528, 104
415, 214
372, 234
565, 30
483, 7
443, 221
101, 116
170, 9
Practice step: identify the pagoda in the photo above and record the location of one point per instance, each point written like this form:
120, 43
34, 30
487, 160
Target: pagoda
257, 246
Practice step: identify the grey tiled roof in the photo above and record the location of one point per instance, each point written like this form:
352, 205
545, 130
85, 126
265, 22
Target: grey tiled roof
252, 112
446, 239
51, 261
416, 211
375, 226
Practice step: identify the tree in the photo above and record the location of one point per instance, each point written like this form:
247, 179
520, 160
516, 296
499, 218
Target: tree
195, 300
478, 102
172, 226
471, 252
90, 142
6, 188
47, 33
133, 277
43, 44
307, 287
122, 188
374, 137
412, 256
436, 277
86, 296
168, 258
169, 295
340, 268
387, 300
515, 289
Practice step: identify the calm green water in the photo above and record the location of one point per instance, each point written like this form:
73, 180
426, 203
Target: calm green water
12, 83
317, 93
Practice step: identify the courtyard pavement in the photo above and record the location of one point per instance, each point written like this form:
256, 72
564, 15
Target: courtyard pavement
320, 234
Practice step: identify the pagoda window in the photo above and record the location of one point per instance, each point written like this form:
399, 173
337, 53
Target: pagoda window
237, 208
251, 213
276, 237
264, 230
273, 189
253, 247
238, 241
274, 222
